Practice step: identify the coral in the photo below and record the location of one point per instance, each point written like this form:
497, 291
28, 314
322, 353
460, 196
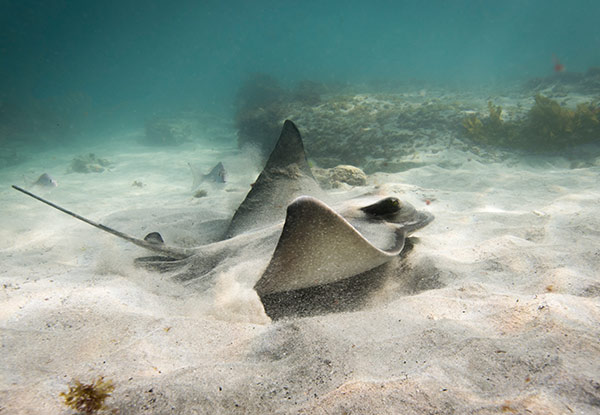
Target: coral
338, 126
386, 131
433, 113
88, 398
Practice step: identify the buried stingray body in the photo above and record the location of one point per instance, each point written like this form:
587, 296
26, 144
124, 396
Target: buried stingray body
296, 243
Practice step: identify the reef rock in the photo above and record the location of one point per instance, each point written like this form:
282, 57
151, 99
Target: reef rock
338, 176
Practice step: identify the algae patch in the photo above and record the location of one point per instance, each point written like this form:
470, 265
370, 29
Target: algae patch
88, 398
547, 126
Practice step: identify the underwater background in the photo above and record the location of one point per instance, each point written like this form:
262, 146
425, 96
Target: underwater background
74, 71
156, 118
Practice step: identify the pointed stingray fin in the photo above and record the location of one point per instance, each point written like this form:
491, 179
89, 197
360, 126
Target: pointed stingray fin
150, 243
286, 176
318, 246
289, 150
217, 175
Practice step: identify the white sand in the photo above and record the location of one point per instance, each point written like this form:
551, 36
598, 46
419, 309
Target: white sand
495, 310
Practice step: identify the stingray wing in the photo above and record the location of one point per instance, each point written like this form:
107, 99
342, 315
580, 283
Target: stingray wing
318, 246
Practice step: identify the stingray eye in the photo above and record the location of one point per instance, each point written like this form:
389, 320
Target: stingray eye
154, 238
387, 206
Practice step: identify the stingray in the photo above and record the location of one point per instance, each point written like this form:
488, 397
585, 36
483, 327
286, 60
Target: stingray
289, 240
218, 174
45, 180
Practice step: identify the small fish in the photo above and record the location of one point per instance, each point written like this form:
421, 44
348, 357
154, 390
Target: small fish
558, 67
216, 175
45, 181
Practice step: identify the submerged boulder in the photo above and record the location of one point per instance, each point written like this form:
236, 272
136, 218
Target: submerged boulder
338, 176
89, 163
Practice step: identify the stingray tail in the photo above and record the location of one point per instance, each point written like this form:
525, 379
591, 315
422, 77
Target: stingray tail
152, 242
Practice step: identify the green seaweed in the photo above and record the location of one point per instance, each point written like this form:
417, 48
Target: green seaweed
495, 115
587, 120
547, 126
88, 398
490, 130
551, 126
474, 127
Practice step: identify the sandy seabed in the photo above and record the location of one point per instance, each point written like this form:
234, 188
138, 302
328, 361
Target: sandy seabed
495, 310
